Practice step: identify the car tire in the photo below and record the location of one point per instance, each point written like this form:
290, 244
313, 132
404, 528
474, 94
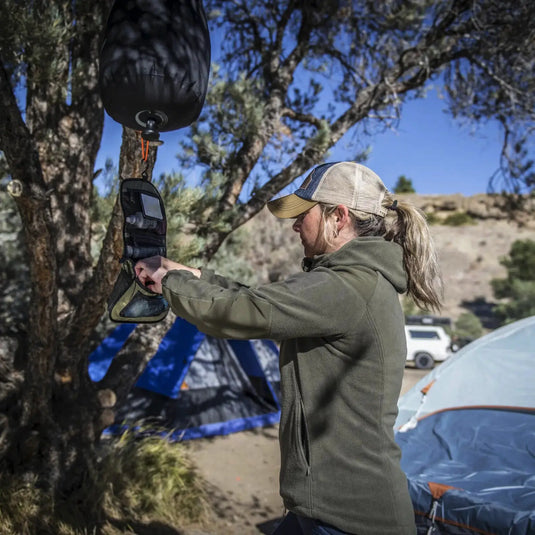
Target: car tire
424, 361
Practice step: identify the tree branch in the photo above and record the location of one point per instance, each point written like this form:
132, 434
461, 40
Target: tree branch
241, 163
130, 362
307, 118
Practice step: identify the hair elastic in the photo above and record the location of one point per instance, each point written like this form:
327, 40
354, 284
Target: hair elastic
394, 205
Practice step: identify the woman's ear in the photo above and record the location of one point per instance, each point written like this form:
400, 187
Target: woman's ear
342, 216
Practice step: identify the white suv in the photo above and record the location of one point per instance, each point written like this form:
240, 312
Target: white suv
427, 344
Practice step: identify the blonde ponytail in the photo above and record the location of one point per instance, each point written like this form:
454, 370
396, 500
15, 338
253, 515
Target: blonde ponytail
409, 228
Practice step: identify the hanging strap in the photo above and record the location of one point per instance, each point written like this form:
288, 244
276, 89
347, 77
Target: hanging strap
144, 150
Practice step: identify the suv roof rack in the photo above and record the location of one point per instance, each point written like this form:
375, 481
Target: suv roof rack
427, 320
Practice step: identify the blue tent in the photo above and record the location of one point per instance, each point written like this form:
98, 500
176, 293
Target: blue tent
196, 385
467, 435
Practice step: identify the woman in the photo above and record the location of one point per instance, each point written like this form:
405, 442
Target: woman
343, 348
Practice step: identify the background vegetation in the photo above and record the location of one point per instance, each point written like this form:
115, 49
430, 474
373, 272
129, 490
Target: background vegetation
517, 289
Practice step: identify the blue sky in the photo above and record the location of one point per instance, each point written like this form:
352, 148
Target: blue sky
429, 147
438, 154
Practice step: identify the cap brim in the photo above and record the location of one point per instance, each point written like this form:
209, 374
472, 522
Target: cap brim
289, 206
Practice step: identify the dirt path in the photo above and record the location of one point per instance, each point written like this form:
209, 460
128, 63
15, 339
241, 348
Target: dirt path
242, 472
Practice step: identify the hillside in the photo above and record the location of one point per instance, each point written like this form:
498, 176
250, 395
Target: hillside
469, 253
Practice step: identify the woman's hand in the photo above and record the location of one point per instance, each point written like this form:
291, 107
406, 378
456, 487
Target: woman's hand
151, 271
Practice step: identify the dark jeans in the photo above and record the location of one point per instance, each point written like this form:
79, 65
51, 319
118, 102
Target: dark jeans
293, 524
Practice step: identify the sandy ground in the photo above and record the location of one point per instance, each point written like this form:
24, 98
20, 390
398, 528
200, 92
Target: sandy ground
241, 471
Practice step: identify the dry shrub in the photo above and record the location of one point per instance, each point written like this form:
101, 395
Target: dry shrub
143, 485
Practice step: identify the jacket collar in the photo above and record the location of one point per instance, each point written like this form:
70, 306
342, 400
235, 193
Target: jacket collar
373, 252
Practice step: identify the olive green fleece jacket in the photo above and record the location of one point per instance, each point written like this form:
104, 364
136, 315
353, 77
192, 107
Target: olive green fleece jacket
342, 358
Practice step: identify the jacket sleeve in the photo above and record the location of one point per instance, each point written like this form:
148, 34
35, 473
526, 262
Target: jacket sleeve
304, 305
211, 276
